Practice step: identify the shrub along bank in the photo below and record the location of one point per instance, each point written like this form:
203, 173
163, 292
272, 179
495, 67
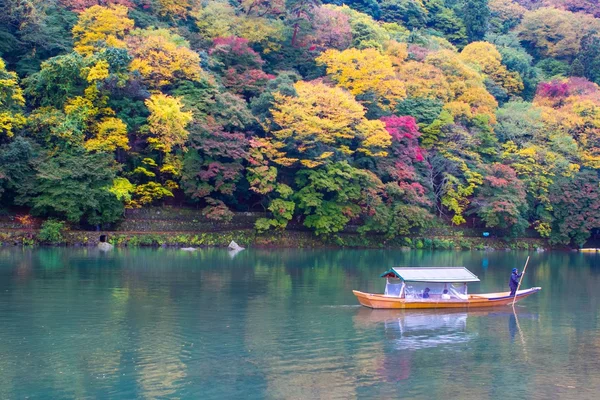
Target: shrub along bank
250, 238
167, 226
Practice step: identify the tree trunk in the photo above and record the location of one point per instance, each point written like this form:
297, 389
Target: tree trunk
296, 28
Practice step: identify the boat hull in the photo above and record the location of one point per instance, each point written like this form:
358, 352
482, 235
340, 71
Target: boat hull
380, 301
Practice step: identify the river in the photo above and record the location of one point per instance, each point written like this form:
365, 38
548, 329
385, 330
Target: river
283, 324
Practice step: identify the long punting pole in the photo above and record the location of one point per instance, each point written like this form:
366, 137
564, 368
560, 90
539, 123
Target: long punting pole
520, 333
520, 280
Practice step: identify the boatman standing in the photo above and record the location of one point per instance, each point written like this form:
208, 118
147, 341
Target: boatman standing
514, 281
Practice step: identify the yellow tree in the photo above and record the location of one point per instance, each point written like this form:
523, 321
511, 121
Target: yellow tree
505, 14
216, 19
322, 123
424, 80
111, 133
100, 27
571, 108
365, 71
556, 33
398, 52
174, 8
167, 122
162, 57
487, 58
219, 19
11, 102
538, 167
459, 75
474, 101
589, 131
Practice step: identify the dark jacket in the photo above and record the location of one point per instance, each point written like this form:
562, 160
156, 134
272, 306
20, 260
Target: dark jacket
514, 280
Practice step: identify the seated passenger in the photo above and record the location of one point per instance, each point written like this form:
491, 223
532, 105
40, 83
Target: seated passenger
445, 295
426, 293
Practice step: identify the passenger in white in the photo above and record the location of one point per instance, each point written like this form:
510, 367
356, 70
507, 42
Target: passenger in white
445, 295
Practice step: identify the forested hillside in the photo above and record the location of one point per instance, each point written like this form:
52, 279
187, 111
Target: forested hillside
390, 114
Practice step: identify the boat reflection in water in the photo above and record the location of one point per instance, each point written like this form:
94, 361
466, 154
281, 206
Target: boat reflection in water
410, 335
419, 330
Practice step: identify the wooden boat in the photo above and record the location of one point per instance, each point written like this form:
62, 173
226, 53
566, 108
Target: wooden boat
434, 287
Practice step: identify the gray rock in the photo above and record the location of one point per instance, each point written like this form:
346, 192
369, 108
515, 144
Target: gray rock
103, 246
234, 246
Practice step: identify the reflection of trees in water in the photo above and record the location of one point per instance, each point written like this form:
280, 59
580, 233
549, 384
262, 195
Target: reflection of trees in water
160, 370
271, 321
307, 355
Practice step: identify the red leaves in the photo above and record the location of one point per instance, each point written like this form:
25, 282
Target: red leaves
560, 90
417, 52
233, 50
405, 134
553, 90
576, 201
332, 29
419, 154
414, 193
248, 83
405, 152
220, 144
239, 46
401, 127
501, 176
242, 72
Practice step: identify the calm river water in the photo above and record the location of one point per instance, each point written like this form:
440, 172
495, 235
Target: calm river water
143, 323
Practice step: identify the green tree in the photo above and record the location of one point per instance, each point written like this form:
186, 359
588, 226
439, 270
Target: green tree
75, 187
330, 197
366, 33
589, 58
395, 216
52, 231
550, 32
58, 80
475, 15
516, 58
32, 31
17, 167
413, 14
369, 7
445, 21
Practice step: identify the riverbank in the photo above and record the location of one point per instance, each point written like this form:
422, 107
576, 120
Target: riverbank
250, 238
184, 227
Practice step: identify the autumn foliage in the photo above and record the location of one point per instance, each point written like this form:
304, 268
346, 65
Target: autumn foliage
390, 116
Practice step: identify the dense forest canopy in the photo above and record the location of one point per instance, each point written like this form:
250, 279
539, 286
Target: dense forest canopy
387, 114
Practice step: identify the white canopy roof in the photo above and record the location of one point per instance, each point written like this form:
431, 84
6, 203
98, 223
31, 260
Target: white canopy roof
433, 274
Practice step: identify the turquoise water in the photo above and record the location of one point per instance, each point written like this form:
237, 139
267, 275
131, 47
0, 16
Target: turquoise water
77, 323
